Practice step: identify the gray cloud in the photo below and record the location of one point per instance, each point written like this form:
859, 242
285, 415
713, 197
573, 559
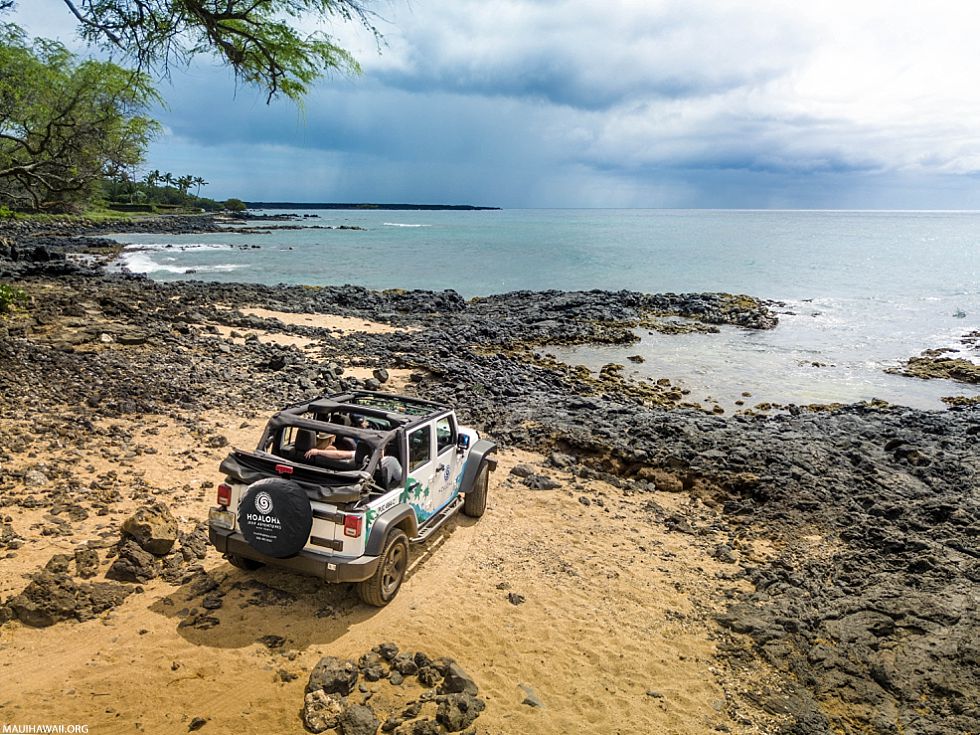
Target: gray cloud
589, 55
619, 103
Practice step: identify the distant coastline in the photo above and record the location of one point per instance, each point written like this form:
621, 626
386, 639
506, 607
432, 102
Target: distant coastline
365, 205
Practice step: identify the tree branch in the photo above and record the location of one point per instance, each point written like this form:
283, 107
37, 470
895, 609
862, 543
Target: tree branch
91, 24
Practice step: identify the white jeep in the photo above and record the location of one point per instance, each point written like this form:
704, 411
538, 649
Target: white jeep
338, 487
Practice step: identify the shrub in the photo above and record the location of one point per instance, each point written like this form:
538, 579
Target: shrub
11, 297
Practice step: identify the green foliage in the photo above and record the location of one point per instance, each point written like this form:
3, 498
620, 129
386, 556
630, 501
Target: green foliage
259, 39
65, 123
157, 191
11, 297
235, 205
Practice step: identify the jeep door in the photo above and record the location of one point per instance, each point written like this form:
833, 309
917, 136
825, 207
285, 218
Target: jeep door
446, 477
421, 470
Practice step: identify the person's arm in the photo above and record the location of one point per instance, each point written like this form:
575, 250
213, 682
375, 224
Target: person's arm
330, 453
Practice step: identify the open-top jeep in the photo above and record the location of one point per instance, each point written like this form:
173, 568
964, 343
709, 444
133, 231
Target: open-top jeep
339, 486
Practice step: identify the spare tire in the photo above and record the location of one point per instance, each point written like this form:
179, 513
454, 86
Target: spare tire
275, 517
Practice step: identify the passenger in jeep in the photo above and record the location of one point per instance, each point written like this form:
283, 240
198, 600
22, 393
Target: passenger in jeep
329, 447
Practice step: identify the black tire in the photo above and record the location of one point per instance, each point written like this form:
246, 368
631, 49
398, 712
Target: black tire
475, 501
383, 585
275, 517
242, 562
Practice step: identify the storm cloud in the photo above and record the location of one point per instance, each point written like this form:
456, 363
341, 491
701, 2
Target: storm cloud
624, 103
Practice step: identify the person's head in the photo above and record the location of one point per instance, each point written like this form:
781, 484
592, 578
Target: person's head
358, 421
325, 441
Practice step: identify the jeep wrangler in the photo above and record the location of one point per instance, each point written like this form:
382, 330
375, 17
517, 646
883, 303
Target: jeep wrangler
398, 469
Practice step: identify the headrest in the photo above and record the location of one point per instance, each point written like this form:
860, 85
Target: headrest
389, 473
345, 443
305, 440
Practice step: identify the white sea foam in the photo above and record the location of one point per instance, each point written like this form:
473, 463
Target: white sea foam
403, 224
139, 262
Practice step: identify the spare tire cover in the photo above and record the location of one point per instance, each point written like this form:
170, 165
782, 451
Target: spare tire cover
275, 517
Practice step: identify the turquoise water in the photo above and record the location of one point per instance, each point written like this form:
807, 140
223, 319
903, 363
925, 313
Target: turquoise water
863, 290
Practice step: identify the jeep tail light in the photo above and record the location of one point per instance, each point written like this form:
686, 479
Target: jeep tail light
284, 469
353, 525
224, 494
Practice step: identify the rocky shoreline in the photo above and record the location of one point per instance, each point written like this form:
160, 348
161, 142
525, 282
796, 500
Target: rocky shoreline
866, 610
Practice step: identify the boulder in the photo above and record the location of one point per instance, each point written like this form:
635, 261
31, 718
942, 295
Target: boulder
153, 527
321, 711
457, 712
51, 598
372, 666
358, 719
333, 675
86, 562
194, 545
388, 651
541, 482
133, 564
522, 470
423, 727
404, 663
457, 681
58, 564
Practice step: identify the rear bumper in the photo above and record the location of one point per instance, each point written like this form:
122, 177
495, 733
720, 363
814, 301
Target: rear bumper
326, 567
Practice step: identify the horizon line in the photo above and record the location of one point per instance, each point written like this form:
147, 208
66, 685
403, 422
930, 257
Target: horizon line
367, 206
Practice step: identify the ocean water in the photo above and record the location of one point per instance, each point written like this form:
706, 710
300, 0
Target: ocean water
862, 290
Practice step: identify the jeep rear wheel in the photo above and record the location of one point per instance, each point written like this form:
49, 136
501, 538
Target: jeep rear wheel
243, 562
475, 501
383, 585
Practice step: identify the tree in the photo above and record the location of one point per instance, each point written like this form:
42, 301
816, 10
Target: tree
235, 205
258, 39
65, 123
199, 181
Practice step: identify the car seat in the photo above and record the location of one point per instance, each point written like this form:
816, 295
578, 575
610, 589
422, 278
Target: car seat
362, 454
304, 441
389, 473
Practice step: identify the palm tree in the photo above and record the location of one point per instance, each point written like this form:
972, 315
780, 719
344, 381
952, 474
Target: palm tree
168, 179
200, 182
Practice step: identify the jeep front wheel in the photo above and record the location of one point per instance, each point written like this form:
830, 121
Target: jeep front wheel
475, 501
383, 585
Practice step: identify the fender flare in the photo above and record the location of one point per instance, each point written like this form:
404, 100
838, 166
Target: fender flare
484, 452
385, 522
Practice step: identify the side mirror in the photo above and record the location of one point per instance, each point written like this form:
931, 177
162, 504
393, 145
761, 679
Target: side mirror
462, 443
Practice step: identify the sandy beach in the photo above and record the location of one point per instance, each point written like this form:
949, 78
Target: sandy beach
806, 570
